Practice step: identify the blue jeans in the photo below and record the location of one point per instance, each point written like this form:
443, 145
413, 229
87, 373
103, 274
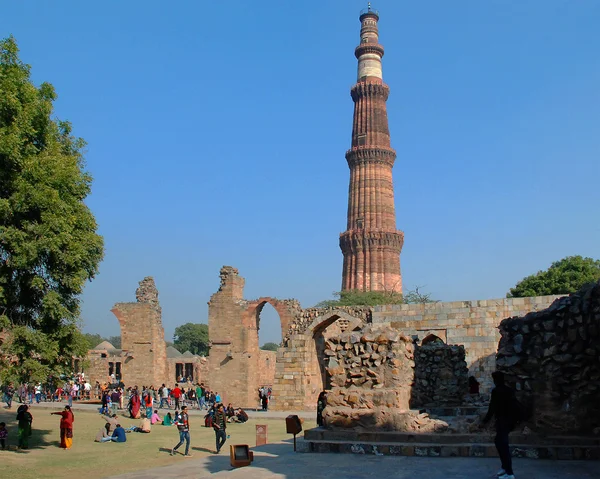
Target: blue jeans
38, 396
202, 402
184, 436
221, 437
164, 401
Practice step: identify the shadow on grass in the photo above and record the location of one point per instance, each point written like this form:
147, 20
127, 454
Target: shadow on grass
39, 438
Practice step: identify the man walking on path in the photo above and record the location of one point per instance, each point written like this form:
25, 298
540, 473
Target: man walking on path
219, 425
182, 421
505, 407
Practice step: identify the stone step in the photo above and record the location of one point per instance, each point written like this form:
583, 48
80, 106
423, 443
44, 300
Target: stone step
452, 411
571, 452
384, 437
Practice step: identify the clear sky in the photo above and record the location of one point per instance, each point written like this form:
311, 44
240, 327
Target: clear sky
217, 130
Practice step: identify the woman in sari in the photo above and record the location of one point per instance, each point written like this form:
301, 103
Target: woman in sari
24, 429
66, 427
134, 405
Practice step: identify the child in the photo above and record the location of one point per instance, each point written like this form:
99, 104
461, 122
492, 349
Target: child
155, 417
3, 435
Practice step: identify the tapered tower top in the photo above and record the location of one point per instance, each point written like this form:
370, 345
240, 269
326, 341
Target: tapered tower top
369, 52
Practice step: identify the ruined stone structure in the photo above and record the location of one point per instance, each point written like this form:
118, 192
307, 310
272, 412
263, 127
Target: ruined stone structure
552, 358
237, 364
371, 244
143, 359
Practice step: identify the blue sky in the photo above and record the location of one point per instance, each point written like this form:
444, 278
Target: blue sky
217, 130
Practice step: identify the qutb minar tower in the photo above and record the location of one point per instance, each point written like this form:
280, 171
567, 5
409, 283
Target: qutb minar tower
371, 244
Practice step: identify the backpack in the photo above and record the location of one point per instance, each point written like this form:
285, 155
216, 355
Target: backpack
208, 420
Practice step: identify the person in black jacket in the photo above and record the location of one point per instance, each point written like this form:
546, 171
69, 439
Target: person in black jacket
503, 407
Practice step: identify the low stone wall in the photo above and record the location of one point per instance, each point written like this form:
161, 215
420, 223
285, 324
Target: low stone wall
473, 324
552, 359
441, 376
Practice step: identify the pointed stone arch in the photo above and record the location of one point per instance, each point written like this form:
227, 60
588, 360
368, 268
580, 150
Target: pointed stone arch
350, 323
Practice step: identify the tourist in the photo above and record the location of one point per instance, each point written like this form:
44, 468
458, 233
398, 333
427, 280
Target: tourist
155, 417
9, 392
176, 393
265, 402
321, 403
199, 396
103, 434
115, 399
112, 422
149, 402
24, 426
38, 393
220, 425
118, 434
87, 387
134, 405
104, 403
3, 435
229, 412
66, 427
240, 416
473, 386
182, 421
217, 398
163, 392
504, 406
168, 420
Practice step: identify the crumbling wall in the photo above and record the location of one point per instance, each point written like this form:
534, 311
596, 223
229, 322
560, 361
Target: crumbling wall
143, 337
371, 377
552, 359
441, 375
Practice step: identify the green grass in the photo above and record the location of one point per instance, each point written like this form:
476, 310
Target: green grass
89, 459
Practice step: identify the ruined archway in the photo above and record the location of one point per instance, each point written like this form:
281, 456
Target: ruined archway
432, 339
333, 323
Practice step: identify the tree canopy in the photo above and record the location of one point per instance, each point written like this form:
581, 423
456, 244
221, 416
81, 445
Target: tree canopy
562, 277
49, 246
191, 337
375, 298
270, 347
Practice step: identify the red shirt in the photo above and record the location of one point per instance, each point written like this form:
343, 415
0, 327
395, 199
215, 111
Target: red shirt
176, 393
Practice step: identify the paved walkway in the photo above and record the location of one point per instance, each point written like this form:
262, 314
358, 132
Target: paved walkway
278, 461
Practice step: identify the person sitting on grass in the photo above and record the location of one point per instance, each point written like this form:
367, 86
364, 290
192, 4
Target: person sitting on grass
119, 434
155, 417
168, 420
103, 434
229, 412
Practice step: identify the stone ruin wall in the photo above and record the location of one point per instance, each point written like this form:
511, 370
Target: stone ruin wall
473, 324
552, 359
440, 376
371, 379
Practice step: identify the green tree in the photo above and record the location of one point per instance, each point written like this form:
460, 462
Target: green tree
270, 347
115, 341
191, 337
562, 277
49, 246
374, 298
92, 340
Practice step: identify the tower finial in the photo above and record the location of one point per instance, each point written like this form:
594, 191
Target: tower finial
368, 6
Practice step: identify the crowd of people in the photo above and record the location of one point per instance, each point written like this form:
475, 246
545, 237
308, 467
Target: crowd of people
142, 403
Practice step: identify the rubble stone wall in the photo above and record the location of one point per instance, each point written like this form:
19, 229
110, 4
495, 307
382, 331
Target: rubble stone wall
552, 359
441, 376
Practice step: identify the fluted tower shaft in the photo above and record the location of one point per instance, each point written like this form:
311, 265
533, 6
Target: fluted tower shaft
371, 244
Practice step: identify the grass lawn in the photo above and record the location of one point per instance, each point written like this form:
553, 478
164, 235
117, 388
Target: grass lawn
90, 459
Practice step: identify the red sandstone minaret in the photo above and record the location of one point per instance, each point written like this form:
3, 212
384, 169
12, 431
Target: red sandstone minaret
372, 244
